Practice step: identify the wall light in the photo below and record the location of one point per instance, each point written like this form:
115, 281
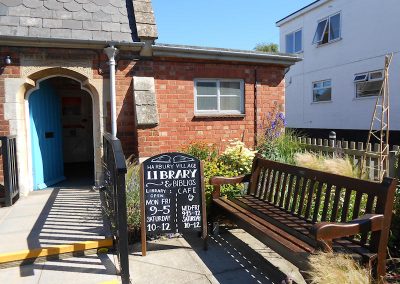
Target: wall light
7, 61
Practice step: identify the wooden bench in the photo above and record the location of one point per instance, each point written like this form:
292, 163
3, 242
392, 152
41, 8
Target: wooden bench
296, 210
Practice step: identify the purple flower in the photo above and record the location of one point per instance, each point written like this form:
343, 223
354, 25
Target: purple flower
281, 116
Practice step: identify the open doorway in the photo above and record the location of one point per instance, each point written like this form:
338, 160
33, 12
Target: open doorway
61, 126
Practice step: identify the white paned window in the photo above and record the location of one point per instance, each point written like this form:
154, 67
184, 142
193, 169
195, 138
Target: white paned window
368, 84
219, 96
294, 42
328, 30
322, 91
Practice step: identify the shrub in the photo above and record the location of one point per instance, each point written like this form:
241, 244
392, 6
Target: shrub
337, 268
281, 148
276, 143
235, 160
337, 166
132, 181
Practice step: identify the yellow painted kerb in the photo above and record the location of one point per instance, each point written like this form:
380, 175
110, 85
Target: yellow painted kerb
40, 252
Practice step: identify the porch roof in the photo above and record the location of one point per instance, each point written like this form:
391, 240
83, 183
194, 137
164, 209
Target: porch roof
98, 20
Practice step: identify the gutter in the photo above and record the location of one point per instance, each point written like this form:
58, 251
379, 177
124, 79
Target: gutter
224, 55
67, 43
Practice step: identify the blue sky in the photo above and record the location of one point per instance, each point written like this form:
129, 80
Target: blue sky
222, 23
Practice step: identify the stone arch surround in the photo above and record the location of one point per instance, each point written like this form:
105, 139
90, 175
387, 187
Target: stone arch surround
17, 91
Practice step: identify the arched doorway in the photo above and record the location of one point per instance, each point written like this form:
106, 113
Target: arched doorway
61, 134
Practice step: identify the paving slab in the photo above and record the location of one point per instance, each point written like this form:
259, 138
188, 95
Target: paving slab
52, 217
233, 256
90, 269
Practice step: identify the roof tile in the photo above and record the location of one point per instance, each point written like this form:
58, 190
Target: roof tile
90, 7
12, 3
53, 5
19, 11
13, 31
82, 15
52, 23
101, 16
72, 24
84, 19
101, 2
3, 10
30, 22
41, 12
60, 33
72, 6
33, 3
64, 15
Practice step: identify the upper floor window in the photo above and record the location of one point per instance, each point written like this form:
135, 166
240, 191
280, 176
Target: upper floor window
294, 42
328, 30
322, 91
368, 84
219, 96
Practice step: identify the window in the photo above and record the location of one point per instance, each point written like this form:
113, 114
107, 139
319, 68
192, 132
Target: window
322, 91
368, 84
294, 42
219, 96
327, 30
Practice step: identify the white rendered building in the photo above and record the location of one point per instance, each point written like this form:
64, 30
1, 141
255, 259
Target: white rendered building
343, 44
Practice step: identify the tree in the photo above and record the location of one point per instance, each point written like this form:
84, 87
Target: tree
267, 47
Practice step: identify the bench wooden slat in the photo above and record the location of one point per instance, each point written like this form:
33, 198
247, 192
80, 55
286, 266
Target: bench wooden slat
296, 193
317, 202
310, 197
272, 185
289, 193
304, 187
266, 184
335, 207
357, 203
284, 186
326, 202
278, 188
261, 183
298, 227
272, 231
346, 203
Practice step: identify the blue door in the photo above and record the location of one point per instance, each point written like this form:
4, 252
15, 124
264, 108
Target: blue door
46, 136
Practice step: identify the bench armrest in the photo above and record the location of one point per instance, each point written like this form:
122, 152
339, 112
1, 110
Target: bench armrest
327, 231
218, 181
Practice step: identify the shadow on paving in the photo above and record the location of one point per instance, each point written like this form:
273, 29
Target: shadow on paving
183, 260
70, 216
231, 260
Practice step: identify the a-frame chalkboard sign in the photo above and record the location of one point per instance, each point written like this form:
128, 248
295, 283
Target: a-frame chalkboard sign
172, 196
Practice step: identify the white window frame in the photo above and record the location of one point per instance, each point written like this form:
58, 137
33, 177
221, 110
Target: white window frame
294, 40
367, 78
219, 111
327, 26
321, 81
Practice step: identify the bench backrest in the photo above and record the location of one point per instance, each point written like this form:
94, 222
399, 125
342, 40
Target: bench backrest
319, 196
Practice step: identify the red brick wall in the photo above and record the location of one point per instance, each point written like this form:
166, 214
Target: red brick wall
175, 103
11, 71
175, 98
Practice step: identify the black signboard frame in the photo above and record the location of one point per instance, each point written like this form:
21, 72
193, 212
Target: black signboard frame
201, 198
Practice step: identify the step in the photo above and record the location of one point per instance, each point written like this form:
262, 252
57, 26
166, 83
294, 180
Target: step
30, 256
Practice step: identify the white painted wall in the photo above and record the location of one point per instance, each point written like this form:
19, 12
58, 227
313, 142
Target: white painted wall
369, 30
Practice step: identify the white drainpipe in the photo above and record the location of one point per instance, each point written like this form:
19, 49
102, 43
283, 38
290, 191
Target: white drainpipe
111, 52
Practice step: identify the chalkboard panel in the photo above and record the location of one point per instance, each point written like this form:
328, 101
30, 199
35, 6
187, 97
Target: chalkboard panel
172, 194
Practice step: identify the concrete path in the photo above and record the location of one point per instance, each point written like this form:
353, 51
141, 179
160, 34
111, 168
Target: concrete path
92, 269
233, 257
52, 217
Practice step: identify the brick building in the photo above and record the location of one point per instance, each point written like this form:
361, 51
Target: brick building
59, 93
